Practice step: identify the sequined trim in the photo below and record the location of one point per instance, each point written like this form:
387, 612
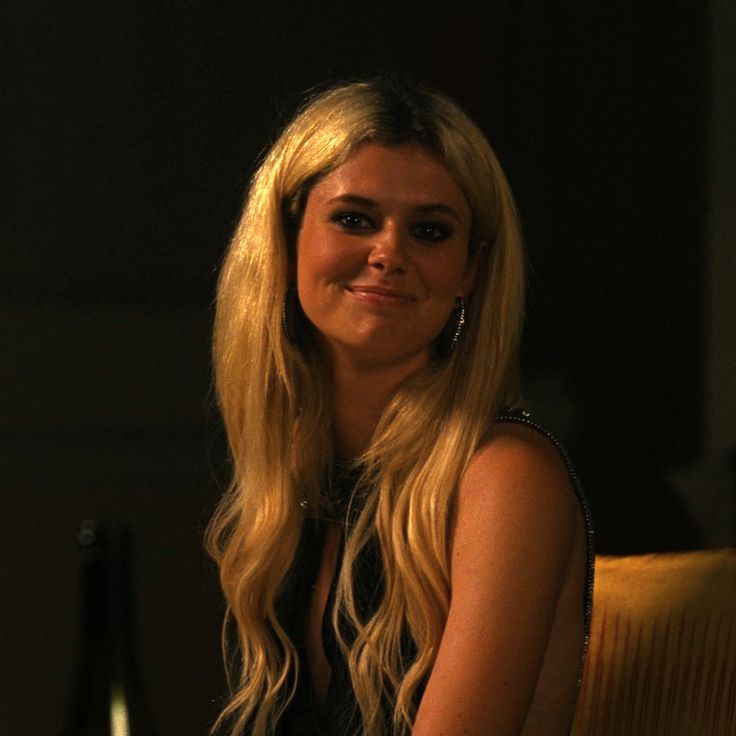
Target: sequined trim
521, 416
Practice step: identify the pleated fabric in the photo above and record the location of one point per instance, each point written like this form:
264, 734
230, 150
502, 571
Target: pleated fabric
662, 652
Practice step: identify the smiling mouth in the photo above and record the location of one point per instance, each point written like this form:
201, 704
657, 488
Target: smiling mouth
380, 294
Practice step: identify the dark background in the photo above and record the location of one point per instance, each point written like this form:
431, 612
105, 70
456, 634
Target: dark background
133, 130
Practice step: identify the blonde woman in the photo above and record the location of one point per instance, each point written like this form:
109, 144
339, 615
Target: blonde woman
399, 552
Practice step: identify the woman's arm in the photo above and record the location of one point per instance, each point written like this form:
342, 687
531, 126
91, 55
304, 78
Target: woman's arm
511, 551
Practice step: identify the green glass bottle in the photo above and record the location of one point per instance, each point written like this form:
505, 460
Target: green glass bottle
107, 696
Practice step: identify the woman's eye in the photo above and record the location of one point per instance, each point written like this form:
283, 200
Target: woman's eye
352, 221
431, 232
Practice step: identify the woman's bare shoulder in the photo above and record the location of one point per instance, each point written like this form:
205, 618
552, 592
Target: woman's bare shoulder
512, 549
516, 513
522, 472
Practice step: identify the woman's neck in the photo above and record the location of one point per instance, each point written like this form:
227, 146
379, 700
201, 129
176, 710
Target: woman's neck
359, 395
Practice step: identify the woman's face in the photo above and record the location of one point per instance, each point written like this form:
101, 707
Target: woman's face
382, 254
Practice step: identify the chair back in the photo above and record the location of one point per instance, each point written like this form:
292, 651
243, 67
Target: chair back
662, 653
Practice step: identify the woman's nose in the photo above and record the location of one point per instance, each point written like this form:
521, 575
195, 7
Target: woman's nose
388, 251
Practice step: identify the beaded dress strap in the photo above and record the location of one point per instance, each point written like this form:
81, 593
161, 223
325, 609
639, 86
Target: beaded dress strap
521, 416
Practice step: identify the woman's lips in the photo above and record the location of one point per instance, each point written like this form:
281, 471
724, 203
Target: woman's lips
380, 294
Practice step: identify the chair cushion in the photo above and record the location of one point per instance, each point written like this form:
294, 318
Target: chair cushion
662, 653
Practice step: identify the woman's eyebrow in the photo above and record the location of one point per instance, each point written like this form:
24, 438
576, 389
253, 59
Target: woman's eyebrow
356, 199
425, 209
442, 209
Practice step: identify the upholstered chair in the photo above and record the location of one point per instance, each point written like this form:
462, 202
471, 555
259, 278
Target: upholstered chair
662, 654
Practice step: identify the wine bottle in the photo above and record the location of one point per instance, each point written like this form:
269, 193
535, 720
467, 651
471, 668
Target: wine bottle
107, 696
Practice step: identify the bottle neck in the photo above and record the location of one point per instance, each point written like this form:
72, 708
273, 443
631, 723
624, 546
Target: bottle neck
107, 696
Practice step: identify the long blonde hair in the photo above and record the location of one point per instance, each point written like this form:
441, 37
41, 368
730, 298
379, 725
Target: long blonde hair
273, 399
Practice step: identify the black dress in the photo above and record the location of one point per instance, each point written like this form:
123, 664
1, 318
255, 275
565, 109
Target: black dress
340, 715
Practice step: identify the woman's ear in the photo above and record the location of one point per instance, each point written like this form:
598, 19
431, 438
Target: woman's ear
478, 252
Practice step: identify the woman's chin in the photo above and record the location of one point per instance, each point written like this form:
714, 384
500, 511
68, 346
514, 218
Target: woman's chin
378, 352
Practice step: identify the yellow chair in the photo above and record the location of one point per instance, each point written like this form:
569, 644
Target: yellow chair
662, 653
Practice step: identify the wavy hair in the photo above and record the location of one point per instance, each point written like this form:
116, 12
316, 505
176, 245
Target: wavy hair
274, 402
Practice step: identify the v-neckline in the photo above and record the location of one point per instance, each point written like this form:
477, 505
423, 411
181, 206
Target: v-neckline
318, 618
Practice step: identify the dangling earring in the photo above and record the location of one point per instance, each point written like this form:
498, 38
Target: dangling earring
290, 314
454, 328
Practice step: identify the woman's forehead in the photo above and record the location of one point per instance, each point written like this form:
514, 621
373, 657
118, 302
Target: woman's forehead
408, 173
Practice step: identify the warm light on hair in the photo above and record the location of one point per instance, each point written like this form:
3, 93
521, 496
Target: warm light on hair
273, 399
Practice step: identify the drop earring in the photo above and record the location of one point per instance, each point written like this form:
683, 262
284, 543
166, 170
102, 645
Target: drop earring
453, 329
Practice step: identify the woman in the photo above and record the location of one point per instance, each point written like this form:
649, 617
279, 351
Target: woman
399, 554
